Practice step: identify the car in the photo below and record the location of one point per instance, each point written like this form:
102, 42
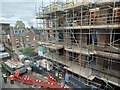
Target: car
4, 55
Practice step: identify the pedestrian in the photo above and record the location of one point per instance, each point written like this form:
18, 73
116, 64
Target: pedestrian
11, 77
4, 75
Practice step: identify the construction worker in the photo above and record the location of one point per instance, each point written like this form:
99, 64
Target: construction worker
17, 73
11, 77
4, 75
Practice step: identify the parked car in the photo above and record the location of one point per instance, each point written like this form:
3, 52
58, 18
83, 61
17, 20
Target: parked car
4, 55
25, 60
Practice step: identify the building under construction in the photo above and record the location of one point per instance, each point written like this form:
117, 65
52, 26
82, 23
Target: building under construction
85, 38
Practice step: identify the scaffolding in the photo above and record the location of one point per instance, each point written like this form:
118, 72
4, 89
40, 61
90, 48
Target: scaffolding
85, 38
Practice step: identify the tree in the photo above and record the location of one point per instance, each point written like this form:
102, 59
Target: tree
19, 25
29, 51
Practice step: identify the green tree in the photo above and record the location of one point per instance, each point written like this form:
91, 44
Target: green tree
29, 51
19, 25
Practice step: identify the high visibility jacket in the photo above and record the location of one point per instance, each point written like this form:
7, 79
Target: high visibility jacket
17, 73
4, 75
56, 74
11, 77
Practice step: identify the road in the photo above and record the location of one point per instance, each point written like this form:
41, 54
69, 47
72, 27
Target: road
18, 84
6, 85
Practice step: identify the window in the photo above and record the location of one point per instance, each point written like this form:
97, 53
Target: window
17, 45
16, 38
15, 31
61, 52
27, 38
22, 31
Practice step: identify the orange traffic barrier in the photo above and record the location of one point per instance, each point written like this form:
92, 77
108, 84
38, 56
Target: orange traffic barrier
50, 84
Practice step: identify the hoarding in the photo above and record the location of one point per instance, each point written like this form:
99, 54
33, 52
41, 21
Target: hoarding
40, 50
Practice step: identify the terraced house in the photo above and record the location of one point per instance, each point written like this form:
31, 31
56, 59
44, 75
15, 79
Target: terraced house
23, 38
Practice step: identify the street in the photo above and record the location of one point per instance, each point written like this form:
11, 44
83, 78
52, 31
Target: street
8, 85
18, 84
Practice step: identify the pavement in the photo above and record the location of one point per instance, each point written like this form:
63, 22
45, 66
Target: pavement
9, 85
6, 85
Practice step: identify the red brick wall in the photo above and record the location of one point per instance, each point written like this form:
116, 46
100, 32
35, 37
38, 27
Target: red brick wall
31, 36
12, 39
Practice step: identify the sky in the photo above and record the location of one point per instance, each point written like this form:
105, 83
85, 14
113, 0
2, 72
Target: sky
13, 10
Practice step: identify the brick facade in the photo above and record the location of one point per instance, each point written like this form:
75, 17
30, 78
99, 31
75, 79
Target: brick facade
23, 39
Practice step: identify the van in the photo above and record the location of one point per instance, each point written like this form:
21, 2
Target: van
4, 55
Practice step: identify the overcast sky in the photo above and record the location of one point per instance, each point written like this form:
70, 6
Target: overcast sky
13, 10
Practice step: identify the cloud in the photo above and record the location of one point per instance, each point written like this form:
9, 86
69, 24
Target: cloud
21, 0
11, 20
13, 10
2, 19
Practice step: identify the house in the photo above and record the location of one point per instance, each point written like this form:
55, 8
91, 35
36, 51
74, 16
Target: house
2, 35
24, 38
5, 34
5, 27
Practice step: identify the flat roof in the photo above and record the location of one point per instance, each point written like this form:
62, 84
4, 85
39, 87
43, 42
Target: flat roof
14, 64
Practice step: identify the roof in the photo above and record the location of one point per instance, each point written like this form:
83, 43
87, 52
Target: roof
24, 33
36, 32
14, 64
59, 2
21, 34
4, 23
